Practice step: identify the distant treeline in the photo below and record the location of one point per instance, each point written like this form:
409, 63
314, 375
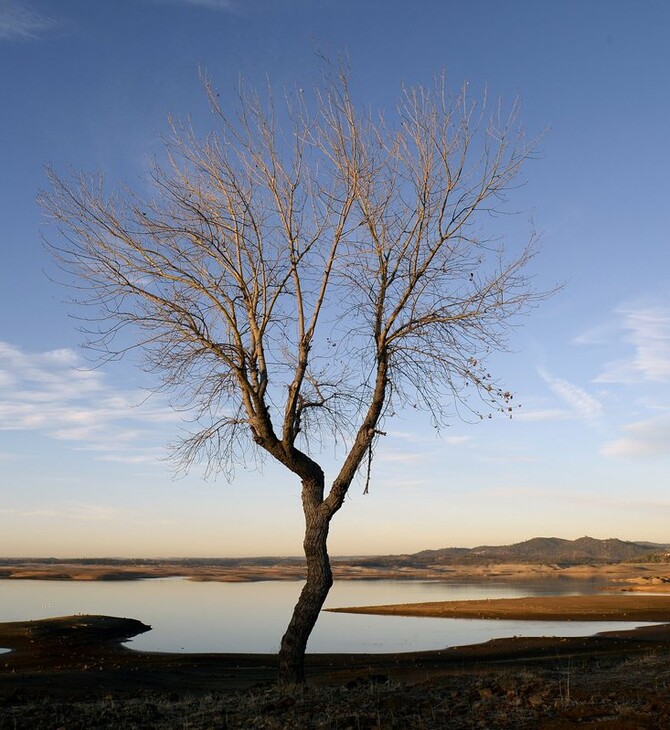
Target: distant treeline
156, 562
538, 550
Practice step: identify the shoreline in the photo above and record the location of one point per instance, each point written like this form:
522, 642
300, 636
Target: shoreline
75, 672
613, 607
75, 656
77, 641
647, 577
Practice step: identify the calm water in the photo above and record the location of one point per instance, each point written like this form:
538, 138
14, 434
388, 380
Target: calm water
251, 617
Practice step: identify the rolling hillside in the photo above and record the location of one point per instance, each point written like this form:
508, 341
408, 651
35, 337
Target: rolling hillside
538, 550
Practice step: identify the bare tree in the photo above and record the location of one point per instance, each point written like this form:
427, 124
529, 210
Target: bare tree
300, 281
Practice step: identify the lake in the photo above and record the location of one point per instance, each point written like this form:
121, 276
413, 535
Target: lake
251, 617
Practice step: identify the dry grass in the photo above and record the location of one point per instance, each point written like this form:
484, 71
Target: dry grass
605, 693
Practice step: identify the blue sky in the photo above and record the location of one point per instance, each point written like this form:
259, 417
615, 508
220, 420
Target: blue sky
90, 85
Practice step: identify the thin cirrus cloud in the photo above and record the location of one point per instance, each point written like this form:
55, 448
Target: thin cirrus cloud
644, 328
543, 414
641, 439
75, 511
227, 5
49, 392
457, 440
416, 437
647, 328
581, 404
20, 23
650, 333
598, 498
402, 458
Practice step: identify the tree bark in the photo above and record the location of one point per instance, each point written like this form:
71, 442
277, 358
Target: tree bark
319, 581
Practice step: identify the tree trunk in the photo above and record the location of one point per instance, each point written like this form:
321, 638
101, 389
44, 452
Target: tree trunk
313, 595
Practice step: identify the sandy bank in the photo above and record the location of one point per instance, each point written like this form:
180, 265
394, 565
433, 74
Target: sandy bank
541, 608
626, 576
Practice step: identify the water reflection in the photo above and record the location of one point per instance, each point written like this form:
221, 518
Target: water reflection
251, 617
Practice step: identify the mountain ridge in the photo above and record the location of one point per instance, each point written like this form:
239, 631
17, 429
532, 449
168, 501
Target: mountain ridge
537, 550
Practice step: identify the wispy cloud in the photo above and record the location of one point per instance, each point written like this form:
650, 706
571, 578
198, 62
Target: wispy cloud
20, 23
419, 438
650, 333
647, 329
544, 414
143, 456
642, 439
598, 498
398, 483
402, 458
227, 5
213, 4
599, 335
508, 459
457, 440
581, 404
641, 331
412, 437
50, 392
80, 512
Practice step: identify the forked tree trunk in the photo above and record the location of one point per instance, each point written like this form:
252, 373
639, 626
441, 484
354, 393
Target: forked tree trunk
313, 595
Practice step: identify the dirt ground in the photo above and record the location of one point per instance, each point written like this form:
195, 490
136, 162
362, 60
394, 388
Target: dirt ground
604, 607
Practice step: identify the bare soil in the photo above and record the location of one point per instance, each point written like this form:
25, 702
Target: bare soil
538, 608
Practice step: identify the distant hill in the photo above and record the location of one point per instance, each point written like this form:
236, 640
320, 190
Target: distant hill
538, 550
549, 550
